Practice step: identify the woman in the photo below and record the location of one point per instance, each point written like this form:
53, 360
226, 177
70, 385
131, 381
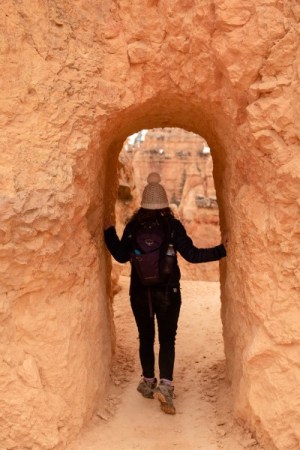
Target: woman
163, 299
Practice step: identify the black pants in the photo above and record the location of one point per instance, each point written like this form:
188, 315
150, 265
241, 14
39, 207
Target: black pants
164, 304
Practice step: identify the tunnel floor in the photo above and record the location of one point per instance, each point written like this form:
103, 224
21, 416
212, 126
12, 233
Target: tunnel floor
204, 419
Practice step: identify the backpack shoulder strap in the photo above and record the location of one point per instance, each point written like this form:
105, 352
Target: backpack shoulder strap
169, 227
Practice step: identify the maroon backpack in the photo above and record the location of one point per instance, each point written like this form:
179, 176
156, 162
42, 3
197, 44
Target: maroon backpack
150, 242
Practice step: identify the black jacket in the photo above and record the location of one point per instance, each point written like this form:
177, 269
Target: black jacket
121, 249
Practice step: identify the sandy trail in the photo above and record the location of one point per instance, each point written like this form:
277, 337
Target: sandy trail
204, 419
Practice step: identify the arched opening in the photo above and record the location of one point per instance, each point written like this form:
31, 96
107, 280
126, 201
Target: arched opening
164, 110
188, 174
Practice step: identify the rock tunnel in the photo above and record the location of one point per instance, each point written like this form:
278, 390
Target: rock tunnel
77, 79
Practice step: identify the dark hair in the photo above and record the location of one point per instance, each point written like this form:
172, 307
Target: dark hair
143, 214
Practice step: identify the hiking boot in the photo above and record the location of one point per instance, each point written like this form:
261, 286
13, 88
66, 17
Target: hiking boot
147, 388
165, 394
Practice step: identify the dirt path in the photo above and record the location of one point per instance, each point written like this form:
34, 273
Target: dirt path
203, 420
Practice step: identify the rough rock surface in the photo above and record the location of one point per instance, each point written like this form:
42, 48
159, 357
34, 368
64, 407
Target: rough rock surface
77, 78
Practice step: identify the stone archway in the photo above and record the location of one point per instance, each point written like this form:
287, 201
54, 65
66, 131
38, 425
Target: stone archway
77, 81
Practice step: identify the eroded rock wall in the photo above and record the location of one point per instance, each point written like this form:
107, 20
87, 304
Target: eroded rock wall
76, 79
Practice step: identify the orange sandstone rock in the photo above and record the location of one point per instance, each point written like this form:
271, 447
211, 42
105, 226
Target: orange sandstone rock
77, 78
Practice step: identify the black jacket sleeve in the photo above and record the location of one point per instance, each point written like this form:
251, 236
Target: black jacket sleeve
184, 245
119, 248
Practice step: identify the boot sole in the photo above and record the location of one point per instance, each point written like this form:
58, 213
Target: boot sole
166, 408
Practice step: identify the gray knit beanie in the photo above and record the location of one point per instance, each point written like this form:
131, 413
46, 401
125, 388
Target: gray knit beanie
154, 195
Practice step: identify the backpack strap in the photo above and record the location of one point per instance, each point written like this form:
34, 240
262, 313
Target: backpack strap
171, 232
